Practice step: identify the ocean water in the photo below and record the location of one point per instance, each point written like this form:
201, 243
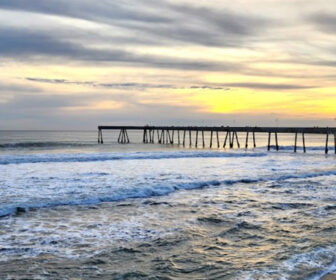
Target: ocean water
73, 209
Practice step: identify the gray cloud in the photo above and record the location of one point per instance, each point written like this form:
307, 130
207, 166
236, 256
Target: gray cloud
129, 85
267, 86
33, 45
102, 11
324, 21
204, 26
9, 87
139, 86
162, 23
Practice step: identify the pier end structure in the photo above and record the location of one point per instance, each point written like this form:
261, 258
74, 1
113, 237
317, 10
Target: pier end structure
165, 134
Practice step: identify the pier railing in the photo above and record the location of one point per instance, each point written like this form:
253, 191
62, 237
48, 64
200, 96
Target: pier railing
165, 135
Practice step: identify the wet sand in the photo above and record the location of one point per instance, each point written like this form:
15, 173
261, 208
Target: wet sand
330, 276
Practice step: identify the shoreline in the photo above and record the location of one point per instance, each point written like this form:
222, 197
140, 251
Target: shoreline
329, 276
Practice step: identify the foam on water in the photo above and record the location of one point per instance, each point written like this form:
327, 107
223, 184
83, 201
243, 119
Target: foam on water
82, 182
196, 214
40, 158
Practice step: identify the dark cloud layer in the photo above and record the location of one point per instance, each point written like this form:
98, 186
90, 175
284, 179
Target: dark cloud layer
24, 44
101, 11
162, 21
132, 85
128, 85
267, 86
145, 23
324, 21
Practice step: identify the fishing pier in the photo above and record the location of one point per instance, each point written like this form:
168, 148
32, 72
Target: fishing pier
182, 135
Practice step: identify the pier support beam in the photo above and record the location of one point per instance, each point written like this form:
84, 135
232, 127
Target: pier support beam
203, 142
143, 137
254, 140
184, 133
100, 137
217, 139
211, 138
326, 144
150, 135
168, 138
238, 145
123, 137
231, 138
269, 141
303, 142
190, 143
196, 140
225, 140
246, 141
161, 139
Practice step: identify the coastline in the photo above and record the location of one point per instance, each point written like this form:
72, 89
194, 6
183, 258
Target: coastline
329, 276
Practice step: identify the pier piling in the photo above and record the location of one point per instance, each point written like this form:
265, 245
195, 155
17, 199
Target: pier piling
123, 137
211, 138
190, 144
231, 138
225, 140
246, 141
237, 140
254, 140
100, 136
203, 142
165, 134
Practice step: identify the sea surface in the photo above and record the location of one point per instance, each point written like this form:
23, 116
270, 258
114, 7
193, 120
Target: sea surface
73, 209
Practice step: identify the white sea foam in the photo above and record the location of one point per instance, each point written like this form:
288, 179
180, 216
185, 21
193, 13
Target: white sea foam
268, 214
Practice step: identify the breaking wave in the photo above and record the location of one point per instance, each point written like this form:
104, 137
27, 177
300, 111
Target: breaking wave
147, 190
48, 144
39, 158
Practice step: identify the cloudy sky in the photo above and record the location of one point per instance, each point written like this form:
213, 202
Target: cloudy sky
73, 64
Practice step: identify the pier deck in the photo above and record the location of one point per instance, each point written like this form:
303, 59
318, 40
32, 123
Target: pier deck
165, 134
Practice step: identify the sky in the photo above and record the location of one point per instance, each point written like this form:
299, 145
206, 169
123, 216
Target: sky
74, 64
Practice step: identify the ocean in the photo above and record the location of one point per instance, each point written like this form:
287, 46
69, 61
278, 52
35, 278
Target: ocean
73, 209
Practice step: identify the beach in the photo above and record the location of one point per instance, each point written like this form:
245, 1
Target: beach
74, 209
329, 276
